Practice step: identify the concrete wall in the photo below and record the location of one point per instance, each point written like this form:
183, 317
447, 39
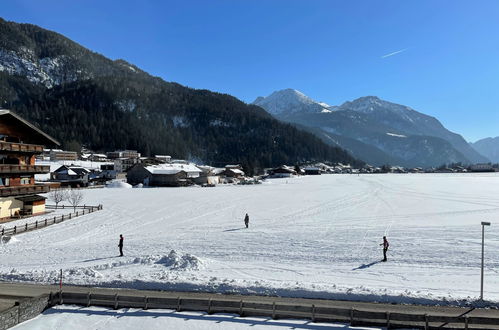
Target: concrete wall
38, 209
25, 310
32, 307
9, 318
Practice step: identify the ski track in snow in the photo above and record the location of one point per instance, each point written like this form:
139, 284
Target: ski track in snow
309, 236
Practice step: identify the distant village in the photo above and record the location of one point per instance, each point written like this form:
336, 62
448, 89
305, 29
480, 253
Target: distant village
28, 169
94, 169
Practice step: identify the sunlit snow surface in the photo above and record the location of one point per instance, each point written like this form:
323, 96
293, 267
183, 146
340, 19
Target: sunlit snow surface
79, 318
315, 236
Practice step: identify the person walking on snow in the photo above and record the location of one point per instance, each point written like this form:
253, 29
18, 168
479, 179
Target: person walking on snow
246, 220
385, 247
120, 245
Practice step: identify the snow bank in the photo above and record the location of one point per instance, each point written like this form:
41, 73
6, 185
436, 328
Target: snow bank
118, 184
179, 262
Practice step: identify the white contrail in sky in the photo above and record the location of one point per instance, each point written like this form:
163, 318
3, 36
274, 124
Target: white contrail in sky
394, 53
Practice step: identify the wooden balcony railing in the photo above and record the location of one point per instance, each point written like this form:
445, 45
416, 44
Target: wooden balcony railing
20, 147
19, 169
24, 190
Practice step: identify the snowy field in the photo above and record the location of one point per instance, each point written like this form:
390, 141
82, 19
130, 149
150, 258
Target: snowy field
79, 318
308, 237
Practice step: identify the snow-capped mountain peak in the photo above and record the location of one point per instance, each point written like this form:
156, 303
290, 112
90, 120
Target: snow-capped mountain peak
368, 104
288, 101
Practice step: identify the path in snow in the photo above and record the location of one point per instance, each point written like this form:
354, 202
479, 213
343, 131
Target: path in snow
310, 236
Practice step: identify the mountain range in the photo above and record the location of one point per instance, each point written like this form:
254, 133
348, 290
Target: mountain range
489, 147
377, 131
85, 99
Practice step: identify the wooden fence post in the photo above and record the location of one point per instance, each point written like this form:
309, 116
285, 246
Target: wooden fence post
241, 308
36, 224
273, 310
88, 299
146, 302
45, 222
209, 307
388, 320
26, 227
466, 322
116, 301
426, 322
179, 301
3, 231
313, 313
76, 213
69, 215
55, 219
351, 316
15, 229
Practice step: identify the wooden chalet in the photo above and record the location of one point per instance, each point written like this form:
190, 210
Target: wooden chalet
20, 142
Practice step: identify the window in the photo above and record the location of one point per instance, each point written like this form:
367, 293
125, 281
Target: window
4, 181
25, 180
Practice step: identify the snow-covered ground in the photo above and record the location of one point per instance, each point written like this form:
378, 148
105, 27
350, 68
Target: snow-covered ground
80, 318
314, 236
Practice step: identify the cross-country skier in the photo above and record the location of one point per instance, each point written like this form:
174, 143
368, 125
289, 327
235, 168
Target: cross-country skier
385, 247
246, 220
120, 245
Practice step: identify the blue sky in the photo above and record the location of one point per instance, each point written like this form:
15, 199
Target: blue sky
333, 51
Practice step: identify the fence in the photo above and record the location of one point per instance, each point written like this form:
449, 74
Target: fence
316, 313
38, 224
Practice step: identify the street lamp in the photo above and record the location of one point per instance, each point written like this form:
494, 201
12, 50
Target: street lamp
483, 235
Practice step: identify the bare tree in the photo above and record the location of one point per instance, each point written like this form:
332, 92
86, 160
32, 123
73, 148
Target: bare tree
75, 197
58, 195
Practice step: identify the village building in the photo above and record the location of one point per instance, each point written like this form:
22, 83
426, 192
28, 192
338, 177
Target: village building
163, 158
123, 154
122, 165
97, 157
71, 176
312, 170
482, 168
20, 143
233, 171
282, 172
163, 175
208, 176
108, 171
62, 155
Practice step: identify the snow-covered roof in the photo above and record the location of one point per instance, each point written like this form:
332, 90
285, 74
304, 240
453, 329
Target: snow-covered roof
236, 171
172, 168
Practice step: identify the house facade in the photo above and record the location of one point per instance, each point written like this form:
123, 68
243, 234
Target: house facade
71, 176
163, 175
20, 143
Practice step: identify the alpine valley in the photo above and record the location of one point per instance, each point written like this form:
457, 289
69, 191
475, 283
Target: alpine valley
377, 131
83, 98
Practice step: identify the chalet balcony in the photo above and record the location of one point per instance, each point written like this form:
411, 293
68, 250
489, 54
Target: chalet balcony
21, 147
24, 169
24, 190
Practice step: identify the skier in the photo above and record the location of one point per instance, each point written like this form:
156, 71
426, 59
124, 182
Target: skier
246, 220
385, 247
120, 245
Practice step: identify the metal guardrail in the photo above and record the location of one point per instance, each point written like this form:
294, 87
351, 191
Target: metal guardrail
24, 190
316, 313
21, 147
38, 224
7, 168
